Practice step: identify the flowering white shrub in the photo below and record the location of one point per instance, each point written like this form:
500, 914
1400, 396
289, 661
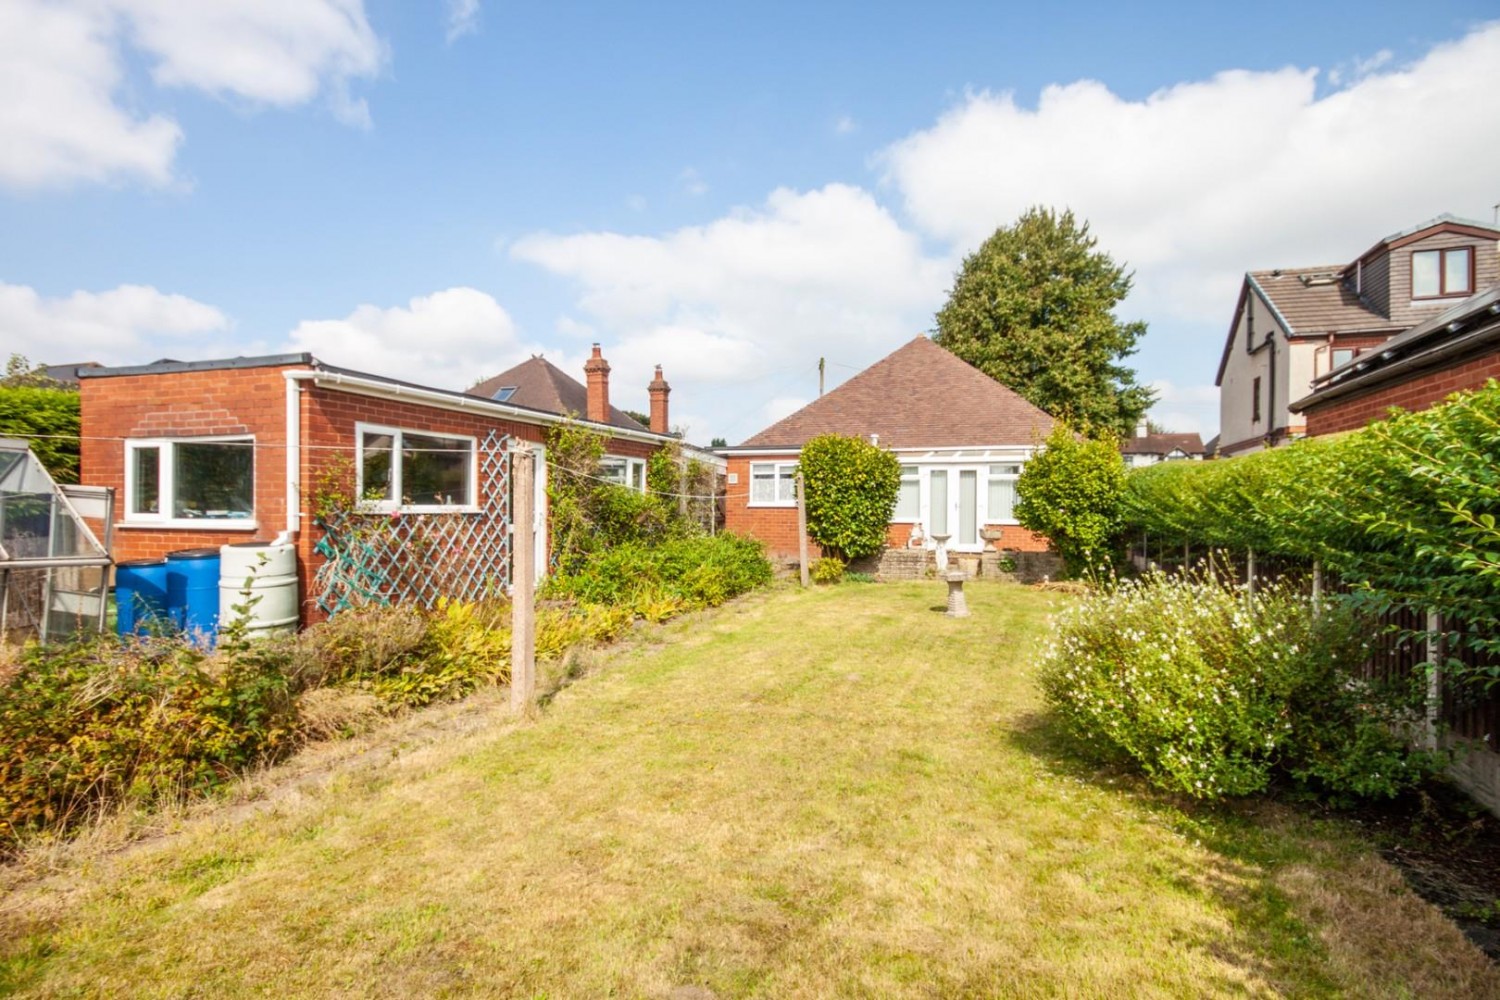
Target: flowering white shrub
1213, 694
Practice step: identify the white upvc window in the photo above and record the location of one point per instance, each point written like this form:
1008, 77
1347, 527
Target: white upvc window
416, 471
1002, 493
773, 484
622, 471
909, 495
191, 482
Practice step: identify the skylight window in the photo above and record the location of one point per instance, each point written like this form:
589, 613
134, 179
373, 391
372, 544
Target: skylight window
503, 394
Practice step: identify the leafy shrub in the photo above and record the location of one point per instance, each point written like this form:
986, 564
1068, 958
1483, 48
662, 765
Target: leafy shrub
621, 516
699, 572
1070, 492
85, 726
829, 569
1214, 697
850, 488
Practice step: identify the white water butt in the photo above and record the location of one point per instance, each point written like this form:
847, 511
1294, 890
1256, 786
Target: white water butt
258, 585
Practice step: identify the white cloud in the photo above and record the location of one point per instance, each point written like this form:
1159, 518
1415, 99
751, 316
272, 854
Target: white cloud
731, 307
1204, 180
462, 19
58, 122
131, 324
62, 117
845, 125
449, 339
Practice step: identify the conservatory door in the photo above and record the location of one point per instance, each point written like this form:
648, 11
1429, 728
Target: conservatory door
953, 507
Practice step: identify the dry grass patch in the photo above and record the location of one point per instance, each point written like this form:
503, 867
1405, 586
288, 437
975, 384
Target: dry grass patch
805, 794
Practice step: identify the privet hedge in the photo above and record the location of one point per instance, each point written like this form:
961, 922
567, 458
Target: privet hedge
1404, 510
851, 488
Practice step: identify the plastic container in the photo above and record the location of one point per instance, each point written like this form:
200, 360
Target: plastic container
193, 592
258, 584
141, 597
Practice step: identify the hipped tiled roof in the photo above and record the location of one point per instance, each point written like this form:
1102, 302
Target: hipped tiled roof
541, 385
921, 396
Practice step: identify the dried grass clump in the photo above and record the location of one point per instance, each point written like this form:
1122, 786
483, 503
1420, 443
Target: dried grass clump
337, 713
359, 643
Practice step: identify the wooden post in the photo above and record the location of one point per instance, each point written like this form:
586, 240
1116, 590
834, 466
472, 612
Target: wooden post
802, 532
1436, 653
523, 579
682, 491
1250, 575
1317, 588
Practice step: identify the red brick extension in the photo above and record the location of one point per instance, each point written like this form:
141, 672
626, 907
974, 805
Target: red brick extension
253, 401
1358, 409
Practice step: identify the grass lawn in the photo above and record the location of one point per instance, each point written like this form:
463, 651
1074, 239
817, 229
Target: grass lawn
805, 794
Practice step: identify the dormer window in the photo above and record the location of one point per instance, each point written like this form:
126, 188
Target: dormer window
1441, 273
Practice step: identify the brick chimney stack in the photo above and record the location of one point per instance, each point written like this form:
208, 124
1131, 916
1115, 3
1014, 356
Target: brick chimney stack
659, 391
596, 370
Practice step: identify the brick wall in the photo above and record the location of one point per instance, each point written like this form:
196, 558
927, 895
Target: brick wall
185, 404
1355, 411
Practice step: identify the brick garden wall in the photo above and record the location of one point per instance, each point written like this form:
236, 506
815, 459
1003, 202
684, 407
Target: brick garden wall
1353, 412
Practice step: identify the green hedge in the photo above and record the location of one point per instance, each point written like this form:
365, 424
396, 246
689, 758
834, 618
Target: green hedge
683, 573
51, 413
1404, 510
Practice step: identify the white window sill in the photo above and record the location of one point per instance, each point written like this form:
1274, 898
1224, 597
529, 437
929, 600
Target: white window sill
444, 509
191, 524
905, 520
781, 505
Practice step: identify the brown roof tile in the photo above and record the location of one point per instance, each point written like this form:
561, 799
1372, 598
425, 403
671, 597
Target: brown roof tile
541, 385
921, 396
1313, 300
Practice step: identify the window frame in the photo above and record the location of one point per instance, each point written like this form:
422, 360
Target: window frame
1443, 291
990, 476
915, 479
634, 472
166, 484
776, 480
394, 505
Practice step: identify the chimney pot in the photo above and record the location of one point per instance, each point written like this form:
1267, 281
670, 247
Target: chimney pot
659, 390
596, 374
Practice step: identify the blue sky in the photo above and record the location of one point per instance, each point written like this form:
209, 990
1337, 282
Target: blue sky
437, 190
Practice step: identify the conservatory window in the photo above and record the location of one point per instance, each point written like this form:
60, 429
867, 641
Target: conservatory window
416, 471
773, 484
907, 497
188, 481
1002, 492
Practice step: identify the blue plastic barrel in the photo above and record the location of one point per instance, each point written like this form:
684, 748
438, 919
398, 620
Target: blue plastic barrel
193, 592
141, 597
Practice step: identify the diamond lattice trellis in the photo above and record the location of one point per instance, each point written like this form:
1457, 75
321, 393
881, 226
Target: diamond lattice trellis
419, 558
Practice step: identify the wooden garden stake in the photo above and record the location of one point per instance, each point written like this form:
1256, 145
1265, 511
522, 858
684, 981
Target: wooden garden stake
802, 532
523, 579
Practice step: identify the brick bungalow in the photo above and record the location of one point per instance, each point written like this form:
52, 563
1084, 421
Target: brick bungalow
207, 453
1457, 350
961, 437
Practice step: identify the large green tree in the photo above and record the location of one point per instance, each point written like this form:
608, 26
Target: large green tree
1034, 308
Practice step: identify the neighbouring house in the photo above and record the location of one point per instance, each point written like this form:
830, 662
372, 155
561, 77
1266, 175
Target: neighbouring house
1455, 350
207, 453
1146, 448
1294, 326
961, 437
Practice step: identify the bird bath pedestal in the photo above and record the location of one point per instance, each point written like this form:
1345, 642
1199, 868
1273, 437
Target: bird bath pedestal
958, 606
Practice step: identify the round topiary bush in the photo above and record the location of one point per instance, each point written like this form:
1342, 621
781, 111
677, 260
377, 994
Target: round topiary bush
850, 491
